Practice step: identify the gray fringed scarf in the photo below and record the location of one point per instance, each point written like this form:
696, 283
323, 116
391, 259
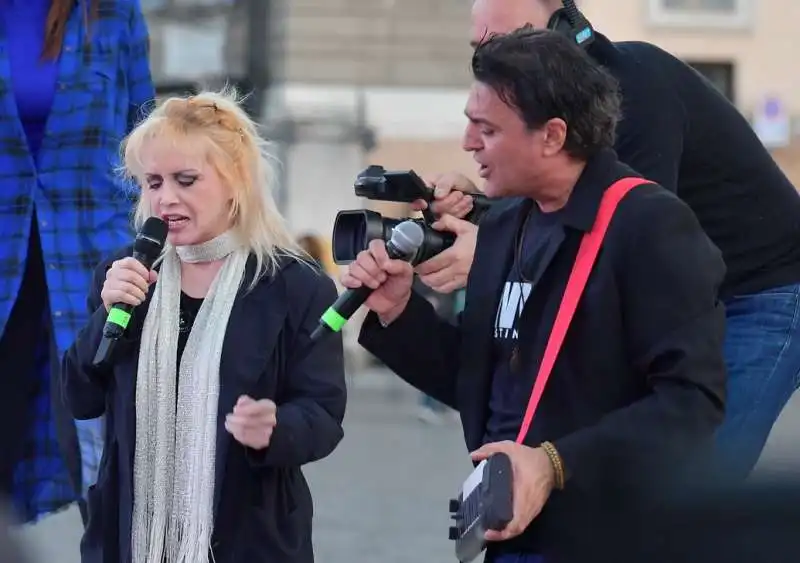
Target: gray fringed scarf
175, 447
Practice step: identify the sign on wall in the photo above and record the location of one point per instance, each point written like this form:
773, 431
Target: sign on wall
772, 123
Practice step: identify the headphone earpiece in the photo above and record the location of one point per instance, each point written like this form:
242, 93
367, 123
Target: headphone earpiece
559, 22
579, 31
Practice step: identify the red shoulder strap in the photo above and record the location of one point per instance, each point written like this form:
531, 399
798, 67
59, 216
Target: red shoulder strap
587, 253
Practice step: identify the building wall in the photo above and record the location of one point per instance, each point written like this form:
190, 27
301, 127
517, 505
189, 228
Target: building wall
763, 47
419, 43
423, 44
789, 160
400, 67
415, 105
321, 177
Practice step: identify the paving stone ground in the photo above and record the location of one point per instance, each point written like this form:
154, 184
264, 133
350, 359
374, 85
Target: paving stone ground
387, 485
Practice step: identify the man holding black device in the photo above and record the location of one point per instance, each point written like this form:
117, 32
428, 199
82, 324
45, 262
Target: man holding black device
679, 131
638, 387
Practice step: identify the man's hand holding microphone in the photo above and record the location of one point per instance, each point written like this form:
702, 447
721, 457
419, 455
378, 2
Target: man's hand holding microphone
389, 279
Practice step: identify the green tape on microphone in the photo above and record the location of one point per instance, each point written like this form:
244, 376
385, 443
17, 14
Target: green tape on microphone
119, 317
333, 320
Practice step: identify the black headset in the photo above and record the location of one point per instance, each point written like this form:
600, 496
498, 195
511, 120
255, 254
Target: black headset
571, 22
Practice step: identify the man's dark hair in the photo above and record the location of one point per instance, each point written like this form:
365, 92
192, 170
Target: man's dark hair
543, 75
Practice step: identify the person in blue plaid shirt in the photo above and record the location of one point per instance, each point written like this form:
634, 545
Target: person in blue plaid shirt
74, 79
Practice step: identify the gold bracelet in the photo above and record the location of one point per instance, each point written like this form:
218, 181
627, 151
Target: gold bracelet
558, 465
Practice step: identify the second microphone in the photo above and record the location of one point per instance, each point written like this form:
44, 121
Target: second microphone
406, 239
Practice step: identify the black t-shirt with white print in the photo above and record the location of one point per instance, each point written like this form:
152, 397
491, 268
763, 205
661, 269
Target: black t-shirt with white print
511, 389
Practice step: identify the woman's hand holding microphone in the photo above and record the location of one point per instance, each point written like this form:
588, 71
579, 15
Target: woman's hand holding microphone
127, 281
390, 279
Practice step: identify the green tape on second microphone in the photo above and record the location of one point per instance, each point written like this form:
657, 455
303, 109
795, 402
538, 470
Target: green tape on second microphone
119, 317
334, 320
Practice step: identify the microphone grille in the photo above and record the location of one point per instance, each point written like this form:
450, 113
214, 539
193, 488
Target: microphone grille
155, 229
408, 236
150, 240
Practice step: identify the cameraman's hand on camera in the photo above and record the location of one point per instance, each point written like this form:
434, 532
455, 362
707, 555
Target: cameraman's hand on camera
450, 193
391, 280
127, 281
449, 270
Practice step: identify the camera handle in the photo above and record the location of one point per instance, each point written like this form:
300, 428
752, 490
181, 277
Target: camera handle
480, 205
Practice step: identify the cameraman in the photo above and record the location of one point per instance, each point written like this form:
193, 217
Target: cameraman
679, 131
638, 387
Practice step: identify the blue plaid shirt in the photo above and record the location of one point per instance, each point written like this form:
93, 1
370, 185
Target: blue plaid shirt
83, 209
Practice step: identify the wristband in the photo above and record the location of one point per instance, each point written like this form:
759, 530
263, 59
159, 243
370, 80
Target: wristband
558, 464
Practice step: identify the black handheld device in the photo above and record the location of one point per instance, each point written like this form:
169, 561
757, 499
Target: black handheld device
484, 503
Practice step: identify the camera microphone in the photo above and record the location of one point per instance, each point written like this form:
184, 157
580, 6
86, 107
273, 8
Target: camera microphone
406, 239
146, 249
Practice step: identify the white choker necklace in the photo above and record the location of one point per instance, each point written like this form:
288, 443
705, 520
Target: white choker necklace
210, 251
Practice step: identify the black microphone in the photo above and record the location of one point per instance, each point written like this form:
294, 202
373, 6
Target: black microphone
406, 239
146, 249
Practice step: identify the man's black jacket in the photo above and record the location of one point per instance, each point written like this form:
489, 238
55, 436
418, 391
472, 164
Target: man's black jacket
678, 130
640, 380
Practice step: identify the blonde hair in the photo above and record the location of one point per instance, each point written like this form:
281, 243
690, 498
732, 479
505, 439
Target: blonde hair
239, 156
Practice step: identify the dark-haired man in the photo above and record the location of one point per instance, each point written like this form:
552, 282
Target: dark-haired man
679, 131
638, 386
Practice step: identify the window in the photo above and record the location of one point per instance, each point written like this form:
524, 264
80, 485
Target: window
721, 75
161, 5
148, 5
702, 6
166, 89
200, 3
701, 13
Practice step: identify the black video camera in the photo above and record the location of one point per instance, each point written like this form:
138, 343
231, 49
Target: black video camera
355, 228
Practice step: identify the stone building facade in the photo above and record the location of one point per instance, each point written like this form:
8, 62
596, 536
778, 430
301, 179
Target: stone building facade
384, 81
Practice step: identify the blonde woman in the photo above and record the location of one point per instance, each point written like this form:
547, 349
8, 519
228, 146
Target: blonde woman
220, 330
